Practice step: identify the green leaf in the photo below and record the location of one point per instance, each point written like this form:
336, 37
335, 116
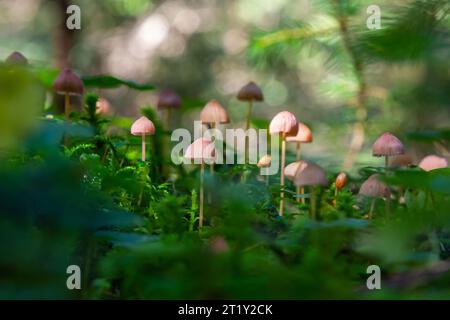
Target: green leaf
109, 82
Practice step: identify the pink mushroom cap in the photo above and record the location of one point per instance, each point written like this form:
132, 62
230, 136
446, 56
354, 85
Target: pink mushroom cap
374, 188
432, 162
201, 149
387, 145
303, 135
284, 122
142, 126
213, 112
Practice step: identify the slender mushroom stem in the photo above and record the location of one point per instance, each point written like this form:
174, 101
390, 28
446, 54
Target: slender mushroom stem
247, 126
66, 105
283, 160
386, 162
168, 115
313, 203
143, 147
335, 197
211, 166
249, 114
299, 190
202, 172
372, 207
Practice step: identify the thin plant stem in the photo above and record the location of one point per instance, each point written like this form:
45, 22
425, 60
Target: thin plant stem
66, 105
249, 114
335, 197
202, 173
168, 115
283, 160
298, 191
313, 203
372, 207
143, 147
247, 126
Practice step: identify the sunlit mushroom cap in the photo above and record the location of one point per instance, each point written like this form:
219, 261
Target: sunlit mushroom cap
168, 99
142, 126
265, 161
374, 188
68, 82
250, 92
213, 112
284, 122
16, 58
291, 169
307, 174
432, 162
401, 161
201, 149
387, 145
102, 106
341, 180
303, 135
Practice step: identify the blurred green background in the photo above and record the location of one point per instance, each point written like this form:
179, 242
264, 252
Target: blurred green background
315, 58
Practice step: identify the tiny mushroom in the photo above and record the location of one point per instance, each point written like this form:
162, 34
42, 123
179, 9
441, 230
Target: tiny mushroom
16, 58
265, 162
387, 145
304, 135
341, 181
68, 83
201, 150
102, 106
305, 173
285, 124
433, 162
250, 92
213, 113
142, 127
168, 100
374, 188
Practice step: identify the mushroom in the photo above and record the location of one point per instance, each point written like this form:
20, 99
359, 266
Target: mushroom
16, 58
68, 83
201, 150
290, 171
102, 106
168, 100
341, 181
265, 162
433, 162
142, 127
305, 173
304, 135
250, 92
284, 124
213, 113
387, 145
374, 188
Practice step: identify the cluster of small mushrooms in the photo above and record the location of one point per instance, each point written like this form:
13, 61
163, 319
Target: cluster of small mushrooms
284, 125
